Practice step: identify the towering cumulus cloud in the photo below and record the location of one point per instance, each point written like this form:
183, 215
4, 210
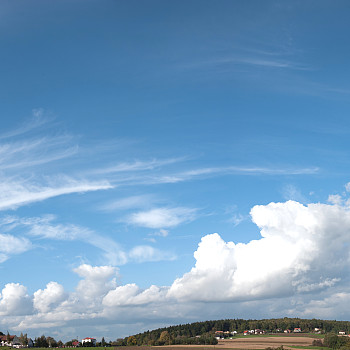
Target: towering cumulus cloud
302, 249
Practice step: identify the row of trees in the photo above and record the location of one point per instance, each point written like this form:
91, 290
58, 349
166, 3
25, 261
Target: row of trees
165, 338
333, 341
185, 333
45, 342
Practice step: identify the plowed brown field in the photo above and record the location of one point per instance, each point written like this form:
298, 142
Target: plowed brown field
264, 342
248, 343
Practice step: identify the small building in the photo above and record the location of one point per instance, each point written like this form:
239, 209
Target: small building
297, 330
341, 333
88, 341
219, 335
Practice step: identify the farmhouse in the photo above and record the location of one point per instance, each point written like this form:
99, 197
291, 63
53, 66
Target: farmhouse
88, 341
219, 335
10, 340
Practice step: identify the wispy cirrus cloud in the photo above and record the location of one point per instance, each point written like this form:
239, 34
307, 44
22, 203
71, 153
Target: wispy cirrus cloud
25, 177
143, 253
12, 245
28, 153
232, 170
138, 165
15, 192
38, 119
158, 218
240, 56
131, 202
45, 228
259, 61
28, 156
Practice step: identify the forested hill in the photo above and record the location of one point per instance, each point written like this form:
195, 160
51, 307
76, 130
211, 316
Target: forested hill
183, 333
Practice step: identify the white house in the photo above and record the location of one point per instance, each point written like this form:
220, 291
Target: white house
90, 341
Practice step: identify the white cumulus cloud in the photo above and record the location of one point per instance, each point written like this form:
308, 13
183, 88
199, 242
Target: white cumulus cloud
302, 248
131, 294
98, 280
51, 296
14, 300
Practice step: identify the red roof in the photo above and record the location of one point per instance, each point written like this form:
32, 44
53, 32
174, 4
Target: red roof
4, 337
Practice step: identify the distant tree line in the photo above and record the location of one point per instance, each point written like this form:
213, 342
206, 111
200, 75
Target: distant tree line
165, 338
46, 342
204, 332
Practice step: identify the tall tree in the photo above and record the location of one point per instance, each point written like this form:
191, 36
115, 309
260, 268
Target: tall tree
164, 338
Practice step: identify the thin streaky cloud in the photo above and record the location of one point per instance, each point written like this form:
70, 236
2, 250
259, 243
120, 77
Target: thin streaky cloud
219, 171
139, 165
29, 153
14, 194
45, 228
143, 253
259, 60
129, 203
36, 121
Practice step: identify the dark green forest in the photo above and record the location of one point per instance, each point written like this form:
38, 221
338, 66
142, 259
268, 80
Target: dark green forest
203, 332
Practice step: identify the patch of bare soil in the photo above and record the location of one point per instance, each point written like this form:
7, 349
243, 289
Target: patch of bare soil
264, 342
248, 343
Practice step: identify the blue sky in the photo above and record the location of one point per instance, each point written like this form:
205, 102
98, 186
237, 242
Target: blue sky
168, 162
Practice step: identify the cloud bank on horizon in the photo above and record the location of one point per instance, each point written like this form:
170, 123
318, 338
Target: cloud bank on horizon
302, 255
